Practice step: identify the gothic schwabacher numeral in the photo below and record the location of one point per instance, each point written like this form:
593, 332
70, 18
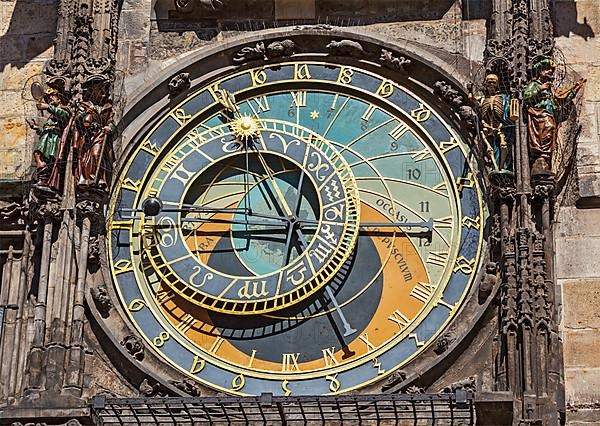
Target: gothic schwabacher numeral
464, 265
422, 291
345, 76
447, 146
385, 89
301, 72
469, 222
132, 185
123, 266
259, 77
421, 114
253, 290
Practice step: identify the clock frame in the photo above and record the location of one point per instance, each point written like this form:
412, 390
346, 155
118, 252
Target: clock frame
429, 125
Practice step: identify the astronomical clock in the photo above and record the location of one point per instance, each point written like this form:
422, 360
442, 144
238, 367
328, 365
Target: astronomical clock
300, 226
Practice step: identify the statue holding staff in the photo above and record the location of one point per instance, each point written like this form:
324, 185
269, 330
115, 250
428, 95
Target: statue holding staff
93, 135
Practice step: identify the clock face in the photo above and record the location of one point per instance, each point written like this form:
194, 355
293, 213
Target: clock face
320, 226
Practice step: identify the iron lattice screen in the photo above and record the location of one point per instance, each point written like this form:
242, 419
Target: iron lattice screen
422, 409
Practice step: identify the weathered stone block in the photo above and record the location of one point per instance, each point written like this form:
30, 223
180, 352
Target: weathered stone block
581, 348
569, 260
134, 25
294, 9
15, 77
581, 299
572, 222
582, 384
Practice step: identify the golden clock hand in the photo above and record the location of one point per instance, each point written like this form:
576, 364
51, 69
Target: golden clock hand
284, 204
288, 240
232, 221
348, 330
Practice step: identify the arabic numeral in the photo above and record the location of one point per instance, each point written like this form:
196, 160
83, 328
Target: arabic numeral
424, 242
424, 206
414, 174
394, 146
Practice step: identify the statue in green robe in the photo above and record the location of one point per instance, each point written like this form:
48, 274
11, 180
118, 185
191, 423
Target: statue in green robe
52, 136
545, 106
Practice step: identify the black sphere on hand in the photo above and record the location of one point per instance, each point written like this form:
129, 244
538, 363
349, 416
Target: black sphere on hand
152, 206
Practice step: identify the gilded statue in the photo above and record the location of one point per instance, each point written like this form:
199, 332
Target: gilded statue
92, 138
51, 148
546, 107
497, 114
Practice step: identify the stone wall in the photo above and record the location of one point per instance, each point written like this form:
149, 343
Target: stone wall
577, 236
27, 29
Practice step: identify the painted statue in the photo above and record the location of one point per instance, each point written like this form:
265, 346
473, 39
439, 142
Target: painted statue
51, 149
497, 119
92, 138
546, 108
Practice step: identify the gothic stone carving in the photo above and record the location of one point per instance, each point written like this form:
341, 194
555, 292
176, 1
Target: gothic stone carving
102, 301
189, 5
396, 378
453, 97
388, 59
10, 212
468, 385
445, 342
148, 389
188, 386
179, 84
277, 49
346, 48
488, 282
134, 346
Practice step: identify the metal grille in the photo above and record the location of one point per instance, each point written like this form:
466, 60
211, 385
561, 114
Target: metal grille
420, 409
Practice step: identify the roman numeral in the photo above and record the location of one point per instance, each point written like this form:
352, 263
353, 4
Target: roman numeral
261, 104
400, 319
216, 345
289, 362
368, 113
443, 222
186, 323
422, 291
329, 357
398, 131
438, 258
365, 338
299, 98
